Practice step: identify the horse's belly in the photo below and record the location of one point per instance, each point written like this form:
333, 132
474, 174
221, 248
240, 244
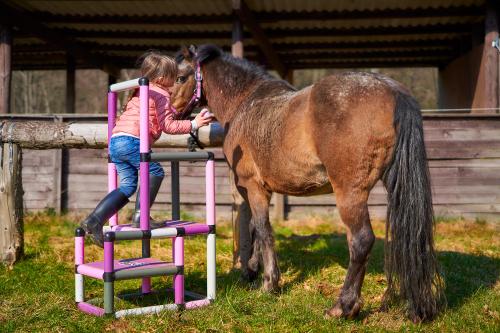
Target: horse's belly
300, 181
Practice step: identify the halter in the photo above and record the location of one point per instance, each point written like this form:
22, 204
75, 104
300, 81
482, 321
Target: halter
195, 99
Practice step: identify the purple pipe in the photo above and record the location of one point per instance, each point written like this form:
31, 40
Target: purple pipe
108, 257
112, 175
91, 309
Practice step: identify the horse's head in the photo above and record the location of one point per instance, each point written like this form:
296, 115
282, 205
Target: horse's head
184, 91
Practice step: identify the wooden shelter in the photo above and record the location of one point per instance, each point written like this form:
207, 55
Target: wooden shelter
453, 35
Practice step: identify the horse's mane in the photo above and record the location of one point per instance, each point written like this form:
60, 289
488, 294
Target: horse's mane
208, 52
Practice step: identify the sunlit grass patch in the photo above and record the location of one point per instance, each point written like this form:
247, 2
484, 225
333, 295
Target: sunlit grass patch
37, 294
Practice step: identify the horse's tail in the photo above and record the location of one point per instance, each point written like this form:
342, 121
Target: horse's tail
410, 261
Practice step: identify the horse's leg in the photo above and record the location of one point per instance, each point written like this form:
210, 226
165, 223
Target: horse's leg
353, 209
261, 233
249, 267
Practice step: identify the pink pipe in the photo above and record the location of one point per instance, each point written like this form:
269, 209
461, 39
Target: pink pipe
91, 309
210, 191
146, 285
112, 175
179, 278
112, 185
197, 304
144, 167
144, 148
79, 250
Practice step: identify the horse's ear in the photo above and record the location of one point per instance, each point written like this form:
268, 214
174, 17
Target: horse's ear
185, 52
192, 49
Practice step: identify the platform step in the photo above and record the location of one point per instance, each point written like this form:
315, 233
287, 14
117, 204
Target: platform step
130, 268
172, 228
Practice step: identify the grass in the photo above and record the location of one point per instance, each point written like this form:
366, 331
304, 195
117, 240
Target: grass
37, 293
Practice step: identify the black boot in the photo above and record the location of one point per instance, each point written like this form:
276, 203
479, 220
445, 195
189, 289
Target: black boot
108, 206
154, 187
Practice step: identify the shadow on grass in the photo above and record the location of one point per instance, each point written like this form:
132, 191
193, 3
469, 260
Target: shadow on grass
464, 274
194, 281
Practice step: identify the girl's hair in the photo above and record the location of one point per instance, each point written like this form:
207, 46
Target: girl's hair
153, 65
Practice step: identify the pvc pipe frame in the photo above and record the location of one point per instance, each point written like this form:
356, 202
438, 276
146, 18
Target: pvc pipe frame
178, 242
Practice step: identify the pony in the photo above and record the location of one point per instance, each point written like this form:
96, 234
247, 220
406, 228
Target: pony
341, 134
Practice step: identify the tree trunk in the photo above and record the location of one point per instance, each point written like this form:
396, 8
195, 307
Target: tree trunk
11, 204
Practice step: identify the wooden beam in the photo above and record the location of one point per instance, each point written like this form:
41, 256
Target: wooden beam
368, 54
374, 64
28, 23
268, 16
279, 47
5, 68
70, 84
241, 10
54, 135
259, 35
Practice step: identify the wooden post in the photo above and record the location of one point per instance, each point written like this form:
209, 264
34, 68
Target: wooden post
11, 204
487, 84
5, 68
70, 84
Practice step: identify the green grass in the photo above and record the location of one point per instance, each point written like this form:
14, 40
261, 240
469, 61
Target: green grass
37, 293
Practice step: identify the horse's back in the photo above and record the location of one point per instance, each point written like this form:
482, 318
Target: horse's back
351, 116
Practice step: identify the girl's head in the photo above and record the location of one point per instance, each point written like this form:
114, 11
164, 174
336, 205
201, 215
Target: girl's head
158, 68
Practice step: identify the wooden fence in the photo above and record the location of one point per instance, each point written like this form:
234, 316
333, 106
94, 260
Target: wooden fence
463, 151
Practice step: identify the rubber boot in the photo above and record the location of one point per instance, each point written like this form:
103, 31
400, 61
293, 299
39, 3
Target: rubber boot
108, 206
154, 187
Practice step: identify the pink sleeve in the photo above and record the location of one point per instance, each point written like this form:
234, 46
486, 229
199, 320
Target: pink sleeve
165, 113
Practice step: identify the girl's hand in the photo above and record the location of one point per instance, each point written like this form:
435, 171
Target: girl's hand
203, 118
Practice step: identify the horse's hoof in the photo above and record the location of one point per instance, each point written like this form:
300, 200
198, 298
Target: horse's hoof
248, 275
337, 312
270, 287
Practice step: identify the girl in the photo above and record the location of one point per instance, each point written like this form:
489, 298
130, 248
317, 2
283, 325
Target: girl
161, 71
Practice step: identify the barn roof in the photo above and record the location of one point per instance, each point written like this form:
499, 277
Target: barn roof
299, 34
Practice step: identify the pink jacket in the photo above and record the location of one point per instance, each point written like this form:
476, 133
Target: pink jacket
161, 116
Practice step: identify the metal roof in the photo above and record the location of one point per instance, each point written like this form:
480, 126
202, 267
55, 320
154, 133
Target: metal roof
303, 34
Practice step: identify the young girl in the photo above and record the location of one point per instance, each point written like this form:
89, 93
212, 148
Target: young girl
161, 71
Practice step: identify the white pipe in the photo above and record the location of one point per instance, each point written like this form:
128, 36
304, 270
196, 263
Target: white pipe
125, 85
79, 288
163, 233
211, 268
146, 310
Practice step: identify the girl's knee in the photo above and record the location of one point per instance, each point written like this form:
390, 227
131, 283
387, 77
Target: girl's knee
156, 170
127, 190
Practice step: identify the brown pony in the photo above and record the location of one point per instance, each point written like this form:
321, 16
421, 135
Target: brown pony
342, 134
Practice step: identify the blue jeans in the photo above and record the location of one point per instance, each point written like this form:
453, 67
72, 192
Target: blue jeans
124, 151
